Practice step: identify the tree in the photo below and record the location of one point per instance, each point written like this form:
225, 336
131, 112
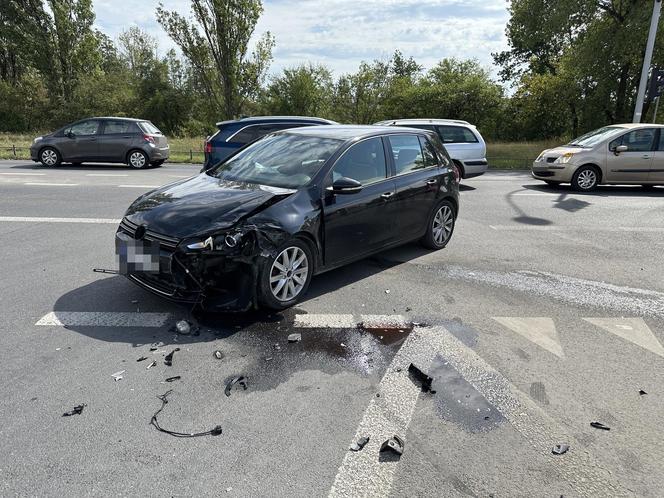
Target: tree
302, 90
215, 42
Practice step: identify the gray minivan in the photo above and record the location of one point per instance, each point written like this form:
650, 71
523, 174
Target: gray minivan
135, 142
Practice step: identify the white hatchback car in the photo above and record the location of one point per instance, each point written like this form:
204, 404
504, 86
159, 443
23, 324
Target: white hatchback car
462, 140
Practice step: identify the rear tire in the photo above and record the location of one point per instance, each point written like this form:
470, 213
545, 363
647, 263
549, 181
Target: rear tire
285, 277
585, 179
137, 159
440, 227
50, 157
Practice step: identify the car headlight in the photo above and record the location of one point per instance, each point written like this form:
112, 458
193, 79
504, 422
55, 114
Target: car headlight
217, 242
37, 140
204, 244
540, 158
565, 158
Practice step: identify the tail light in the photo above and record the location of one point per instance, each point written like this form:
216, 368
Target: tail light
148, 139
457, 173
208, 147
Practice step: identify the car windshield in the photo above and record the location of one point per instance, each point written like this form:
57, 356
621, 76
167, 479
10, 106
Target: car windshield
594, 137
285, 160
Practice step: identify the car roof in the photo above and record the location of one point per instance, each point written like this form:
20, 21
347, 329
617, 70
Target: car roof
271, 119
635, 125
349, 132
136, 120
422, 121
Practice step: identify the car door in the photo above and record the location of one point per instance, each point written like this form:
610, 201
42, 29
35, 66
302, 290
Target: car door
80, 141
417, 179
363, 222
116, 137
632, 165
657, 166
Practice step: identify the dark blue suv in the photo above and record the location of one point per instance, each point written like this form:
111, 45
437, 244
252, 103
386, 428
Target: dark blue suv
234, 134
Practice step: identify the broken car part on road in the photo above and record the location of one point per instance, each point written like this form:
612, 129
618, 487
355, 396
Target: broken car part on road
394, 445
359, 444
76, 411
216, 431
422, 378
168, 359
560, 449
235, 380
600, 425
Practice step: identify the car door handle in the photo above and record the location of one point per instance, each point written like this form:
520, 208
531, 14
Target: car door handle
126, 136
646, 156
432, 182
387, 195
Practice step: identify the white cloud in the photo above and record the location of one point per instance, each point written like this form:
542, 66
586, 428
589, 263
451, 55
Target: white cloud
341, 33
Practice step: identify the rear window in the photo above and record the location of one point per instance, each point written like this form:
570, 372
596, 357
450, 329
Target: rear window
456, 134
150, 128
251, 133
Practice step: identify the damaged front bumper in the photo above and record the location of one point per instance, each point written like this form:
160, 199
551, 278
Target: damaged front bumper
220, 274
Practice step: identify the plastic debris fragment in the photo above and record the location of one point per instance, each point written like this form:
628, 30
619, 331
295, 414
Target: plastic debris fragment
235, 380
76, 411
173, 379
599, 425
216, 431
142, 358
560, 449
183, 327
361, 443
395, 445
294, 338
218, 354
153, 364
642, 392
168, 359
117, 375
423, 378
387, 291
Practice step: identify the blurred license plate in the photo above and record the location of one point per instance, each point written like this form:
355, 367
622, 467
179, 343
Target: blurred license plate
136, 255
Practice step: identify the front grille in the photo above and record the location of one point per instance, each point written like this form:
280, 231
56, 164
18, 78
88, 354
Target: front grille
165, 242
544, 173
551, 159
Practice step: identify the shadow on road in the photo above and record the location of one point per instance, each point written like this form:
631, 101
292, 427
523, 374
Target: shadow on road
602, 190
95, 167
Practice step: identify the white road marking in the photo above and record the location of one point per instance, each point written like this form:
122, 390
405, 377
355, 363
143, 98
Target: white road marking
25, 174
105, 174
139, 186
35, 219
47, 184
362, 474
537, 194
384, 322
573, 228
634, 330
539, 330
103, 319
181, 176
314, 321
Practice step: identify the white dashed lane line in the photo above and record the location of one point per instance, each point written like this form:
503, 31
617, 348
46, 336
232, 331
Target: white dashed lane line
36, 219
109, 175
47, 184
139, 186
572, 228
24, 174
103, 319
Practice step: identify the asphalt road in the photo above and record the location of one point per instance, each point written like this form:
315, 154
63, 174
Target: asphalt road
545, 313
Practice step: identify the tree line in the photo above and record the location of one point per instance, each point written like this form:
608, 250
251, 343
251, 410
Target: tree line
570, 66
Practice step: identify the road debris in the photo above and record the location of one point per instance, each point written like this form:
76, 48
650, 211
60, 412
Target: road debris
361, 443
421, 377
218, 354
560, 449
642, 392
387, 291
76, 411
155, 423
173, 379
294, 338
235, 380
183, 327
395, 445
142, 358
118, 375
599, 425
153, 364
168, 359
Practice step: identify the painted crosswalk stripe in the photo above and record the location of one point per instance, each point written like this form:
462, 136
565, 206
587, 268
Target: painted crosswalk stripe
318, 321
24, 174
539, 330
48, 184
363, 474
38, 219
103, 319
110, 175
634, 330
139, 186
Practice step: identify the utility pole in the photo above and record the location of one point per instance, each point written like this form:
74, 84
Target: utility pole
656, 10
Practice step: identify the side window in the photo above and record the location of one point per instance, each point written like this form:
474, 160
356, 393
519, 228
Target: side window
661, 139
84, 128
407, 153
456, 134
364, 162
246, 135
636, 140
111, 127
428, 153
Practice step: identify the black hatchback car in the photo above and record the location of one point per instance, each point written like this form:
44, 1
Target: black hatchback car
255, 229
135, 142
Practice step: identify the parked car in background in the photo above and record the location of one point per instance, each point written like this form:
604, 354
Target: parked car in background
253, 230
235, 134
135, 142
462, 140
631, 154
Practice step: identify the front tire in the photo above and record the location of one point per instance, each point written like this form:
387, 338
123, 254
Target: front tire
441, 226
585, 179
137, 159
285, 277
50, 157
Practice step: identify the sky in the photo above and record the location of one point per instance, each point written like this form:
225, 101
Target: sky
342, 33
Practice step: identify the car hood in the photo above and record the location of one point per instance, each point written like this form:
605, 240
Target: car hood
201, 205
564, 149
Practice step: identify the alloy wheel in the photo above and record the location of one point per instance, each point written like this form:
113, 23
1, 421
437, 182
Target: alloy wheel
49, 157
137, 159
289, 273
587, 179
443, 223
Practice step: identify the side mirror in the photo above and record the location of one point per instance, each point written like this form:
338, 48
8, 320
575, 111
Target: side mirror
344, 186
621, 148
69, 134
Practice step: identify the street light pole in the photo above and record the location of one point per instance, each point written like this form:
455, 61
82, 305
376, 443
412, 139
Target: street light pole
656, 10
